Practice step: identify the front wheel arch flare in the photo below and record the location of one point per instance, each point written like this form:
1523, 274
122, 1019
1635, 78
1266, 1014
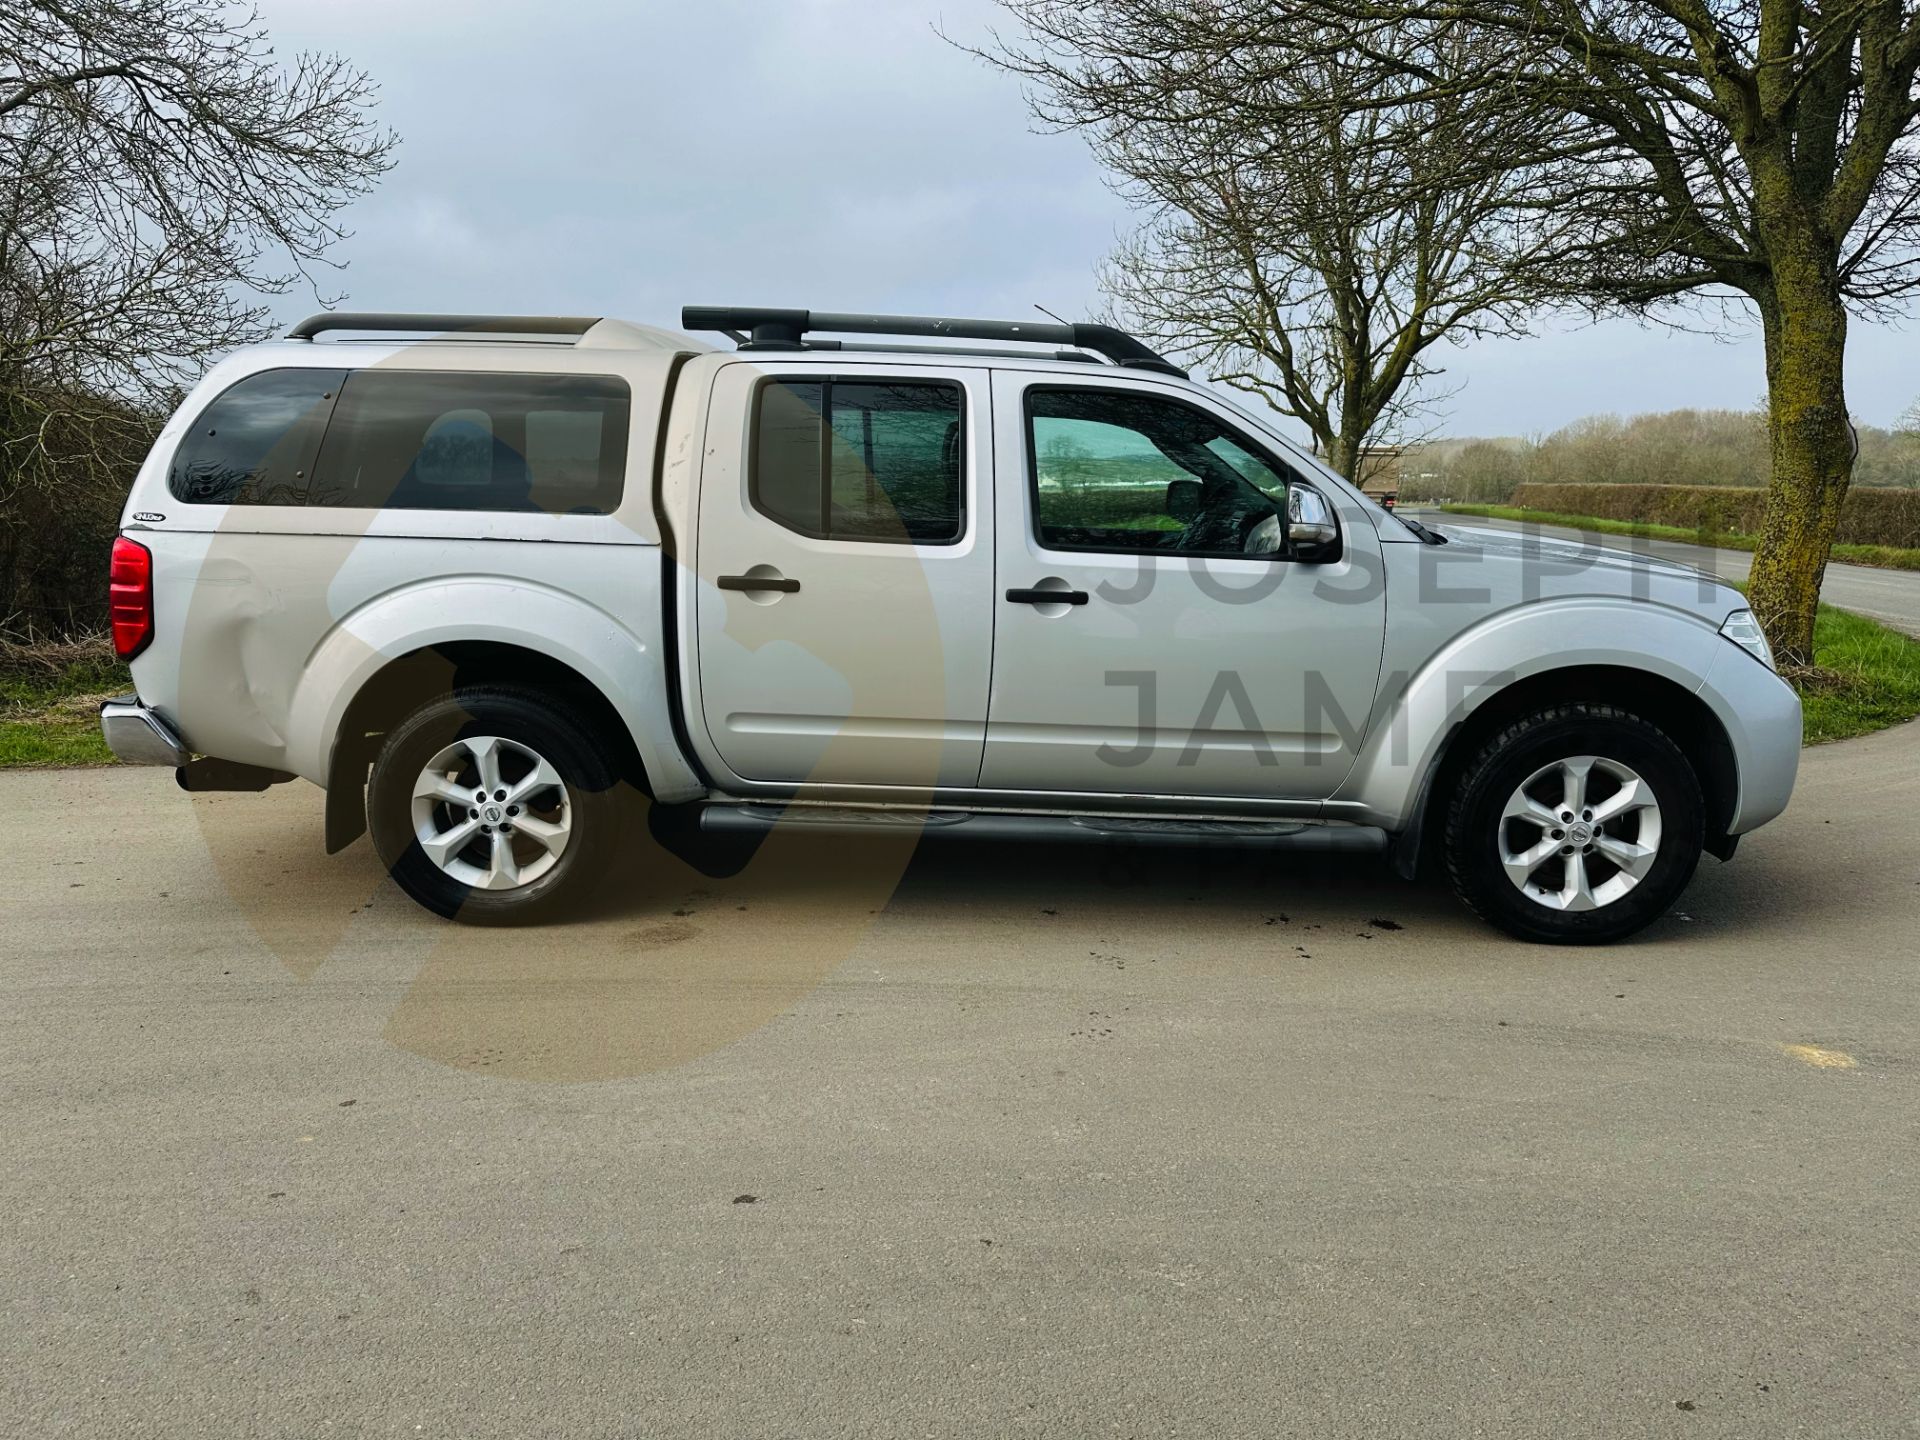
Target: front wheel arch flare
1685, 718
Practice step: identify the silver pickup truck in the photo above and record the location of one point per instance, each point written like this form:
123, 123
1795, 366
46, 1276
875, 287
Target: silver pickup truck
492, 580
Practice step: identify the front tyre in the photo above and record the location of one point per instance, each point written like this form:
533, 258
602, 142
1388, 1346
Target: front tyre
495, 806
1578, 824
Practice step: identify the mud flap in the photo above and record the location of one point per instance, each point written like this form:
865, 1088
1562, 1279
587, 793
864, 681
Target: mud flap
346, 808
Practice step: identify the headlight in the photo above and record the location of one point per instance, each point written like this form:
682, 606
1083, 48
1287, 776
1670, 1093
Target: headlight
1745, 631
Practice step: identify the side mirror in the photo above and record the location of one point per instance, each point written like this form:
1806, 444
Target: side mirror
1184, 499
1311, 527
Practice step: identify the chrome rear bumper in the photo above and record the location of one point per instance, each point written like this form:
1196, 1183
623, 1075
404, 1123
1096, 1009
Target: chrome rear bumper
140, 737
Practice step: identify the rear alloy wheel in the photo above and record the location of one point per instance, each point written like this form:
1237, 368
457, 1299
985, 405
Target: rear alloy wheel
493, 814
1578, 824
494, 806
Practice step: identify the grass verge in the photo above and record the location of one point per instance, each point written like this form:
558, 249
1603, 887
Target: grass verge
1886, 557
1865, 677
50, 694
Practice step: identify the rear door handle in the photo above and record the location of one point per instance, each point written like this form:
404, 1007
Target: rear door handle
758, 582
1047, 597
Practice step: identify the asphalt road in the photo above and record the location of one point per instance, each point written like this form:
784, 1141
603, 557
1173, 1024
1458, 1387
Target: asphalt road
1032, 1143
1889, 596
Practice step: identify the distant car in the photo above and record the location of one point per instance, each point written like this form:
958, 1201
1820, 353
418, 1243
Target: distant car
484, 585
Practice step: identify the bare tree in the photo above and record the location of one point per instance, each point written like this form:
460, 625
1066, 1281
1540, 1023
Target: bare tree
1759, 149
160, 172
1315, 223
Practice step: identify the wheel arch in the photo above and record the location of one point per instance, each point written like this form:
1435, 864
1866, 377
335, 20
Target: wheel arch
1686, 718
419, 639
406, 682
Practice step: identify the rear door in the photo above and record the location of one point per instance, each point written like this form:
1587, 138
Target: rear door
1190, 652
845, 561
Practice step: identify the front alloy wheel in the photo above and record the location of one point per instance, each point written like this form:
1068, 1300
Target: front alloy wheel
1577, 824
1580, 833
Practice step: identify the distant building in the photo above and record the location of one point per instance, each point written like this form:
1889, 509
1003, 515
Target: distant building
1380, 472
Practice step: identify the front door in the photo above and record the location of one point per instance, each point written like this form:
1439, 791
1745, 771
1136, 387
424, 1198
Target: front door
1188, 651
845, 561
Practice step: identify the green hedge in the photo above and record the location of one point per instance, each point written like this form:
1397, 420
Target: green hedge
1869, 517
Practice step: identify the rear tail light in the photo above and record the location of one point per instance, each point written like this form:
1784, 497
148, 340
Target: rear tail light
130, 597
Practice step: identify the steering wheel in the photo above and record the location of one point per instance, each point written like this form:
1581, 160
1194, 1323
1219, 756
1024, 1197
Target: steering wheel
1256, 531
1265, 537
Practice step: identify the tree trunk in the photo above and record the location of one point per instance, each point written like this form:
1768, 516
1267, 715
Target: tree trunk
1805, 325
1343, 456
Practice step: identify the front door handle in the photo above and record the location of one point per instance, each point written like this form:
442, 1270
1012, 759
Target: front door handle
758, 582
1047, 597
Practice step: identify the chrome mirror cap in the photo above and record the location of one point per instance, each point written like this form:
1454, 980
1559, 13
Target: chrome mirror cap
1309, 517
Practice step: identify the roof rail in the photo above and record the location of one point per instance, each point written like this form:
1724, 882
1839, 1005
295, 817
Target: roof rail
443, 324
773, 329
868, 347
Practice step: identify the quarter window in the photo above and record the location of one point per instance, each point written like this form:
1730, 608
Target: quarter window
410, 440
1117, 470
255, 444
859, 460
419, 440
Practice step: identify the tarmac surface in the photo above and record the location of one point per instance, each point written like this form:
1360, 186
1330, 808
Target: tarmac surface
999, 1141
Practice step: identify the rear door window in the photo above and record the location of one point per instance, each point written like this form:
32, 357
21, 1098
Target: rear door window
255, 444
875, 460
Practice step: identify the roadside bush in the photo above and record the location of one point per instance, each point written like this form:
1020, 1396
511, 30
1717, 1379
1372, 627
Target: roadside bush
53, 559
1688, 448
1869, 516
67, 460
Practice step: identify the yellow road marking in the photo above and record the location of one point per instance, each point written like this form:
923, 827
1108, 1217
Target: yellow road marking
1822, 1059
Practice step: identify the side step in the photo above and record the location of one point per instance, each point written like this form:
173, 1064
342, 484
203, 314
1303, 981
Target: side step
1315, 836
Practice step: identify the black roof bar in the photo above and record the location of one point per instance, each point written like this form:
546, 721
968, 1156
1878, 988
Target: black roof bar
773, 329
868, 346
443, 324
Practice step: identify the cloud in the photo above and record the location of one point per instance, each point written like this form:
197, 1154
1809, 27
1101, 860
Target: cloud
621, 158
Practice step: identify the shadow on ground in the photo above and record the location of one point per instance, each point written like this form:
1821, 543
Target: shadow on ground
671, 964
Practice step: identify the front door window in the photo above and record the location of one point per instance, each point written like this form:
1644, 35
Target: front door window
1114, 471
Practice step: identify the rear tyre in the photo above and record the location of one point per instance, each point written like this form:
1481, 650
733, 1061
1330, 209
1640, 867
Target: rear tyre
496, 806
1576, 825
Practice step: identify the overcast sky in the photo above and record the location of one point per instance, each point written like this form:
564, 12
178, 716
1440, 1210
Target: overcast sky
598, 157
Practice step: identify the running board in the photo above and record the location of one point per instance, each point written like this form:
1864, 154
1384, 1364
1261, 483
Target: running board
1296, 835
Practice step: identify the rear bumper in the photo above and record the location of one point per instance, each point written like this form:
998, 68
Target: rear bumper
139, 736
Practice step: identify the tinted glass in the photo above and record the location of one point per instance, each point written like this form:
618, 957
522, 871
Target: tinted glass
860, 460
787, 454
418, 441
255, 444
1119, 471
